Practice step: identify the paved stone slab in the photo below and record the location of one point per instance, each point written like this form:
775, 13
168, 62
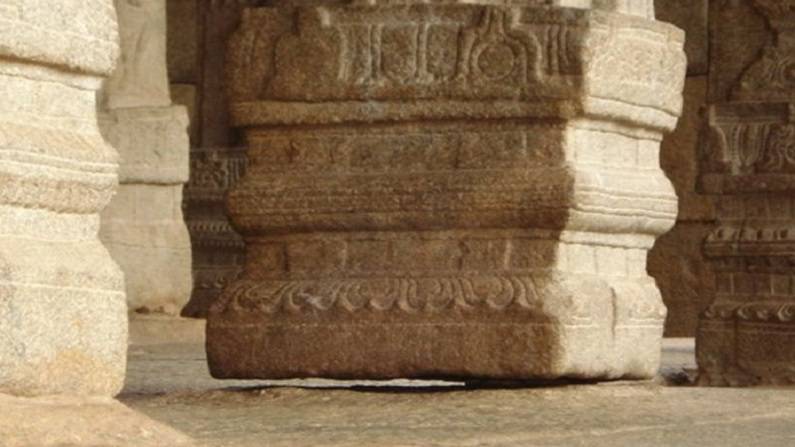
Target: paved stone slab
170, 384
83, 422
143, 227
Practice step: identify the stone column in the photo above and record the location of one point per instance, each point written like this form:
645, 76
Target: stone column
63, 320
449, 189
747, 335
143, 227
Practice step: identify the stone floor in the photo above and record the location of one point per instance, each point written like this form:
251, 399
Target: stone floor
170, 383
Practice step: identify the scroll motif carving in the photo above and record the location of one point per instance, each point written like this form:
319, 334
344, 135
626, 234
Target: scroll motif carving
406, 294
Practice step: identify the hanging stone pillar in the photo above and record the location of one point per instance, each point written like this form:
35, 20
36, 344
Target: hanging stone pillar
143, 227
449, 189
747, 335
63, 319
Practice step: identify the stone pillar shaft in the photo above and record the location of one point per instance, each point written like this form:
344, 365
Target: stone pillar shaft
63, 322
448, 190
144, 227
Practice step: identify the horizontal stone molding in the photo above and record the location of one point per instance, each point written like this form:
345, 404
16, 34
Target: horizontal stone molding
81, 37
521, 296
544, 62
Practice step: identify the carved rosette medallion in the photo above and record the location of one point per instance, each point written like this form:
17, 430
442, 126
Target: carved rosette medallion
448, 189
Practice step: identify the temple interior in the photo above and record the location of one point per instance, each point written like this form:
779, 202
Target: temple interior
400, 223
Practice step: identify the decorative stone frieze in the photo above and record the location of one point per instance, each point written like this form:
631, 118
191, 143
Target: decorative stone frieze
449, 189
747, 335
143, 227
63, 320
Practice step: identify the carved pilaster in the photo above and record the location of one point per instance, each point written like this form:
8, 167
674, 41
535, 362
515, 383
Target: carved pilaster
747, 335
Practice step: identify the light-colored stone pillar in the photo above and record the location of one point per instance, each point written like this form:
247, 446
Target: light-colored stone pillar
747, 335
449, 189
63, 319
143, 227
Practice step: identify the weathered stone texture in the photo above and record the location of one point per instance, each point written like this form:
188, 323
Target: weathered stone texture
187, 95
448, 190
692, 17
217, 161
677, 261
686, 282
60, 421
183, 59
218, 251
737, 35
62, 305
182, 41
143, 227
747, 335
219, 18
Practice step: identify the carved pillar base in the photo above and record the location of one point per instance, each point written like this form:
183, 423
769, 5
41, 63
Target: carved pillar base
450, 191
63, 320
747, 336
143, 226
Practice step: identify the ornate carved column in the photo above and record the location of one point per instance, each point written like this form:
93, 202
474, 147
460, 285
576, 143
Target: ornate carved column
63, 320
143, 227
747, 336
449, 189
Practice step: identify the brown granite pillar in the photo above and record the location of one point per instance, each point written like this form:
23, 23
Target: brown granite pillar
747, 335
217, 162
449, 189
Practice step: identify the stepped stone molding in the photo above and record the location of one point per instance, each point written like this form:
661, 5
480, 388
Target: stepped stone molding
62, 303
143, 227
746, 335
448, 189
